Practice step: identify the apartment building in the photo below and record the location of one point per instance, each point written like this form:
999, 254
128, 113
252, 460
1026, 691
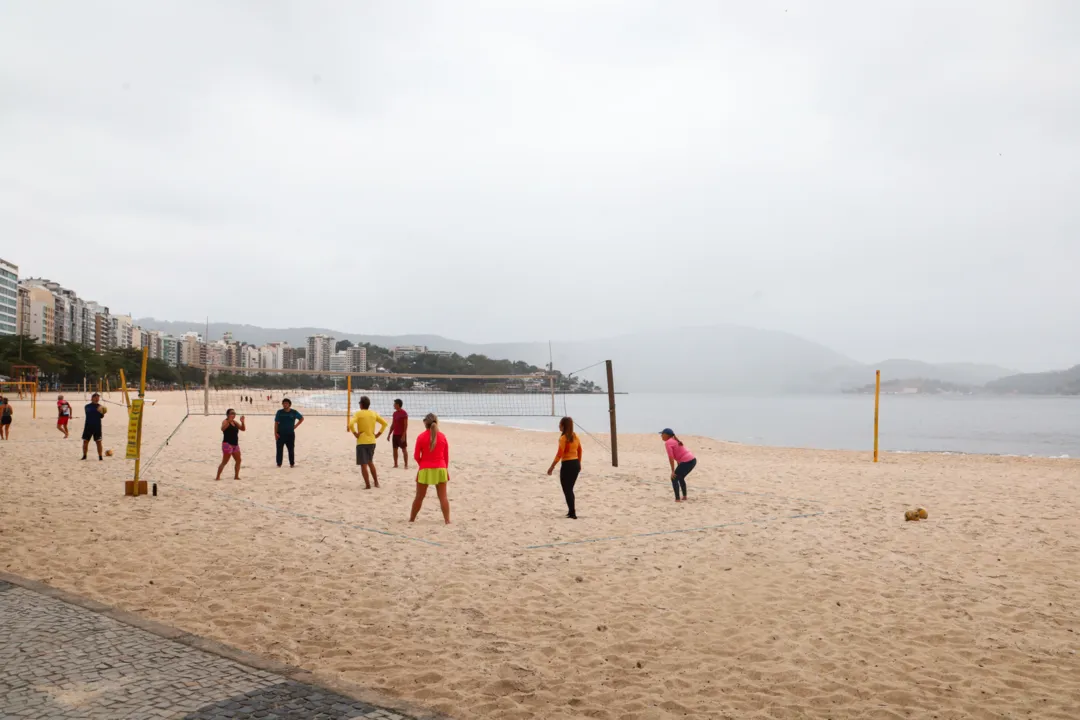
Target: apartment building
9, 298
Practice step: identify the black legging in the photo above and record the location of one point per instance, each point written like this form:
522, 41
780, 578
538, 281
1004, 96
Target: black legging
568, 473
679, 481
286, 440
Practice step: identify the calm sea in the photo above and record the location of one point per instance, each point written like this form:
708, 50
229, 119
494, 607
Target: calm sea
1041, 426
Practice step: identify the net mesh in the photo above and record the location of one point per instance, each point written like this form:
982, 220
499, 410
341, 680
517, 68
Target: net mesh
448, 396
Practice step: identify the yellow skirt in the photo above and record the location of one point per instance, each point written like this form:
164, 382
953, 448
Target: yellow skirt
433, 476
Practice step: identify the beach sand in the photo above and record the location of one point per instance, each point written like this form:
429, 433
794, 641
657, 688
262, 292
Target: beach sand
806, 595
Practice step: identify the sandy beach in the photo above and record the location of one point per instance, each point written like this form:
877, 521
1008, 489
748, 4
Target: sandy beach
789, 586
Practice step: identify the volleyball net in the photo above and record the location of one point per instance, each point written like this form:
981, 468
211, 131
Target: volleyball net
21, 391
261, 392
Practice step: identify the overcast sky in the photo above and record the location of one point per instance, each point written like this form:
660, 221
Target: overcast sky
893, 179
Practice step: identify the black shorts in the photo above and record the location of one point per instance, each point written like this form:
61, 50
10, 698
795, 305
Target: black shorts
399, 441
5, 420
365, 454
92, 434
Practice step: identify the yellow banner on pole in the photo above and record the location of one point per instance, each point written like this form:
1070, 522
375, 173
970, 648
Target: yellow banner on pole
134, 425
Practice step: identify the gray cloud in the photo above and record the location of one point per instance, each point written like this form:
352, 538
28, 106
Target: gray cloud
893, 180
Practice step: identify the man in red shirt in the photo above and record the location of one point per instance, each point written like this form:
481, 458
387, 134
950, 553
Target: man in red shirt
399, 432
63, 410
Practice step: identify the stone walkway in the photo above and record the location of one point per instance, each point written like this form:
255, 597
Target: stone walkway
60, 660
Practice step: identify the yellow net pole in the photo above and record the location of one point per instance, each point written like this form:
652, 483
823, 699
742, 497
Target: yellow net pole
348, 404
124, 389
877, 409
135, 417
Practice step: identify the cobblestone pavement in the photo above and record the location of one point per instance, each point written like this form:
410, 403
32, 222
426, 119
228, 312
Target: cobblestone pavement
61, 661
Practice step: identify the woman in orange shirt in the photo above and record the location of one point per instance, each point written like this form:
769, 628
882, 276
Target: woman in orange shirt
570, 456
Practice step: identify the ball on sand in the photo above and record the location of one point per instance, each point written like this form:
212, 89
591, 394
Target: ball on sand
910, 515
102, 409
108, 453
922, 513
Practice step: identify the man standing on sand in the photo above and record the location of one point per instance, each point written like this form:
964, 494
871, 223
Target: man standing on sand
399, 432
285, 423
362, 426
92, 430
63, 410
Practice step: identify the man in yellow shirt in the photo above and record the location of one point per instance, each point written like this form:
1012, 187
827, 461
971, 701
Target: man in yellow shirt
362, 426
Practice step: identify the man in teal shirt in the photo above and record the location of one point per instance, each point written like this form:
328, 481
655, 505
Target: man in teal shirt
285, 423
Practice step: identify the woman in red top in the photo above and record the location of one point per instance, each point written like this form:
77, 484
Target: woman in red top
432, 457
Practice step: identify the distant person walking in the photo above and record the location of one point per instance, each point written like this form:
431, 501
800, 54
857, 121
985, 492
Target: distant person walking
681, 459
63, 415
569, 455
94, 411
6, 412
399, 432
286, 420
432, 457
230, 442
362, 426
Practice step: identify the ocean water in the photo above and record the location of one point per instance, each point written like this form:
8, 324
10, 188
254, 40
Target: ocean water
1037, 426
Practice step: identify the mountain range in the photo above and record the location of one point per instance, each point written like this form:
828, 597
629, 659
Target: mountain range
721, 358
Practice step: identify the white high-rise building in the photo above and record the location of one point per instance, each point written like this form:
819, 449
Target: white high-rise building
250, 357
339, 361
272, 355
9, 298
39, 315
170, 350
356, 359
120, 331
192, 349
98, 323
320, 348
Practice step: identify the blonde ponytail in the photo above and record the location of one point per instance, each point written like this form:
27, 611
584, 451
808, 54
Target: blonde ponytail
431, 422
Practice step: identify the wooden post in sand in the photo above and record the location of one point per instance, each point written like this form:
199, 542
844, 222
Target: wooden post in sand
611, 412
206, 391
877, 406
551, 383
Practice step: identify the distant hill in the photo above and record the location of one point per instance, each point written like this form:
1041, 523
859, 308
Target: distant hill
958, 374
1058, 382
722, 358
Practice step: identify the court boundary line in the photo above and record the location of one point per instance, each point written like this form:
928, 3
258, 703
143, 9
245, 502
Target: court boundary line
703, 528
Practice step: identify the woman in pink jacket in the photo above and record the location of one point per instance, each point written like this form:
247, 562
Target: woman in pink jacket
432, 457
682, 462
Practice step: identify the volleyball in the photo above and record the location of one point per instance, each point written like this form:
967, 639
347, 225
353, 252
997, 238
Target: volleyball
108, 453
910, 515
922, 513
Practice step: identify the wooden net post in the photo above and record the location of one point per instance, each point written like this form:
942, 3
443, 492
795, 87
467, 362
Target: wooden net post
206, 391
611, 412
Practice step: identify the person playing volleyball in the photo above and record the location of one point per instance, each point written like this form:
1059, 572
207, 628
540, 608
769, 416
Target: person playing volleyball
362, 426
569, 455
682, 462
63, 410
230, 442
6, 412
432, 457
